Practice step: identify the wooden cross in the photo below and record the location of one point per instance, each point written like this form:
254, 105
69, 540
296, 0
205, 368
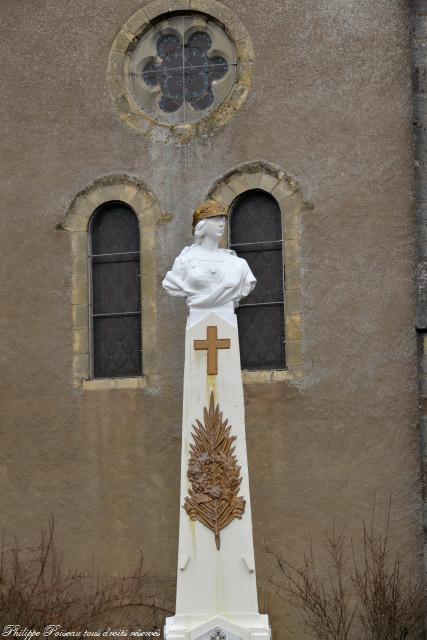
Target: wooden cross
211, 345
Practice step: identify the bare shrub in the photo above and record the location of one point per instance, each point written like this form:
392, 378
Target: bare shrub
392, 606
35, 592
373, 591
325, 603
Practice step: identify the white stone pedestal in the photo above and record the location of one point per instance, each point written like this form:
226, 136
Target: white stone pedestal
216, 589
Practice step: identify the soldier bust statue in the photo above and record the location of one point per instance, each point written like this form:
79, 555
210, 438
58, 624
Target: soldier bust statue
207, 276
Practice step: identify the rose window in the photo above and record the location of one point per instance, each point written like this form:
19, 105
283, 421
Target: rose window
182, 69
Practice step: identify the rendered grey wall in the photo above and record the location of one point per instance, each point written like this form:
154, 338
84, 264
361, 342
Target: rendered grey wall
331, 105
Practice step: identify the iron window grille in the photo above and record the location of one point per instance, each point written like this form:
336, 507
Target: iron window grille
115, 292
255, 233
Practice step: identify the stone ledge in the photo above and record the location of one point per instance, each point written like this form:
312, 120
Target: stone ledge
105, 384
276, 375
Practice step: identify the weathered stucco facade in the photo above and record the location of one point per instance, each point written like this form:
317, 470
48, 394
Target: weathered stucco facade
330, 107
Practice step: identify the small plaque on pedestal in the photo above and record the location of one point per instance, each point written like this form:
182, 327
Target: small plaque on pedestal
218, 634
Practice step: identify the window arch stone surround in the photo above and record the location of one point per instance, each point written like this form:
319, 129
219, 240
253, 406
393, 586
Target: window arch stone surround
77, 221
120, 57
273, 180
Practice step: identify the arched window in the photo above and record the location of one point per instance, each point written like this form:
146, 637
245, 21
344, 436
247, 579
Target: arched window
256, 235
116, 345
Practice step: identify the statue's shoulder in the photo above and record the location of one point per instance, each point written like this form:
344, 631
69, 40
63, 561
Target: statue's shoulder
185, 253
181, 261
234, 257
229, 252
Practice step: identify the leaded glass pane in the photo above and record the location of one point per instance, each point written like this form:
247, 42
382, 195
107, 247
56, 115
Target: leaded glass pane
116, 297
115, 287
182, 68
151, 74
185, 72
200, 40
169, 104
168, 45
255, 217
261, 337
117, 346
256, 236
114, 229
267, 266
218, 68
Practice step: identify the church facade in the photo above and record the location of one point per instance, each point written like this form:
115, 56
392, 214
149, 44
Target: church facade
120, 119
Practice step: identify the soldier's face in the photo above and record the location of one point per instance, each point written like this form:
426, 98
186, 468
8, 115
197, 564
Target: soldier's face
214, 228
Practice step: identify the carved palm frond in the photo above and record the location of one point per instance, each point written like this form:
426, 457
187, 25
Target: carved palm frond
213, 473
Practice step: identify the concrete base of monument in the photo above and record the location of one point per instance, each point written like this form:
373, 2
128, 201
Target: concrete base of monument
249, 626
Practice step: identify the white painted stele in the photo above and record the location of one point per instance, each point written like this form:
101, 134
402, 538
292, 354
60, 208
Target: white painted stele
216, 588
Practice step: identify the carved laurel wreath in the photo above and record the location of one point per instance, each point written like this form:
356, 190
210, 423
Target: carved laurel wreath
214, 473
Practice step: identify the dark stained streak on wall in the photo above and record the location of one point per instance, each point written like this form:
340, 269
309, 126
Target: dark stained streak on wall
419, 84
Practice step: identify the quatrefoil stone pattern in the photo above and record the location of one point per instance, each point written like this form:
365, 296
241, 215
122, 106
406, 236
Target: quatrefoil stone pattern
186, 71
182, 69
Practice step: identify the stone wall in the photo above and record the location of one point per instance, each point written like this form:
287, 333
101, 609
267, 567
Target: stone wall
419, 52
330, 107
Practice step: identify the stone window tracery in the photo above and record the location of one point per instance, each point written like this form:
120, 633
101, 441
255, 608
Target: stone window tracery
185, 72
182, 69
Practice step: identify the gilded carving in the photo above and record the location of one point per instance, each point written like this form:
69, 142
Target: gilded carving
214, 473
